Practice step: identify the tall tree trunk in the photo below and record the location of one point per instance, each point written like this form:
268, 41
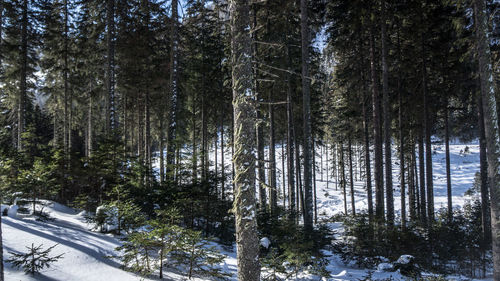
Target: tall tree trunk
147, 138
448, 170
223, 166
387, 122
90, 126
283, 173
306, 103
421, 164
416, 175
485, 214
490, 127
24, 73
366, 135
172, 102
401, 142
428, 148
204, 139
193, 140
402, 160
342, 171
259, 130
315, 193
290, 143
351, 180
1, 197
161, 151
411, 182
110, 70
298, 178
327, 169
377, 135
272, 159
247, 241
65, 79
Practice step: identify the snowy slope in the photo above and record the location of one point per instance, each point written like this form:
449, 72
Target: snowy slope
86, 251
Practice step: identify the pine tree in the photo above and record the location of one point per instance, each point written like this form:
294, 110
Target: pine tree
490, 126
247, 241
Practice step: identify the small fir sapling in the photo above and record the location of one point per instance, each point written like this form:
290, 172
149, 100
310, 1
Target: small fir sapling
35, 259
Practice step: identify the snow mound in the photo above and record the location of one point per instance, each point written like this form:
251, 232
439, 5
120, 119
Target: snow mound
264, 242
405, 259
12, 212
384, 267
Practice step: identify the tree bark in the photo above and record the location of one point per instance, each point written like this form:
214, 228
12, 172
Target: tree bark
377, 135
387, 122
306, 103
351, 180
24, 73
290, 143
247, 241
342, 175
65, 79
490, 127
428, 148
1, 197
315, 194
485, 213
223, 166
448, 170
366, 135
421, 164
172, 102
110, 70
411, 182
401, 143
272, 160
259, 130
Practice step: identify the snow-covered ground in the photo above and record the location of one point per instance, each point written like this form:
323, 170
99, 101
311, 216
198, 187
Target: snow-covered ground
86, 252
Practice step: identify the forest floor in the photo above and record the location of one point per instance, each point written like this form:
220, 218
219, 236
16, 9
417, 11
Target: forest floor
86, 253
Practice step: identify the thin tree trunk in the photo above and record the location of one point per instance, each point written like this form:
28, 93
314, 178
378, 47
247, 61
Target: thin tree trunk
110, 70
1, 197
343, 180
306, 103
24, 74
402, 161
90, 127
428, 148
315, 194
194, 161
377, 135
485, 212
147, 138
387, 122
411, 182
423, 205
351, 181
366, 136
448, 170
290, 146
247, 241
204, 141
65, 78
417, 194
223, 166
161, 151
172, 102
272, 160
298, 179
